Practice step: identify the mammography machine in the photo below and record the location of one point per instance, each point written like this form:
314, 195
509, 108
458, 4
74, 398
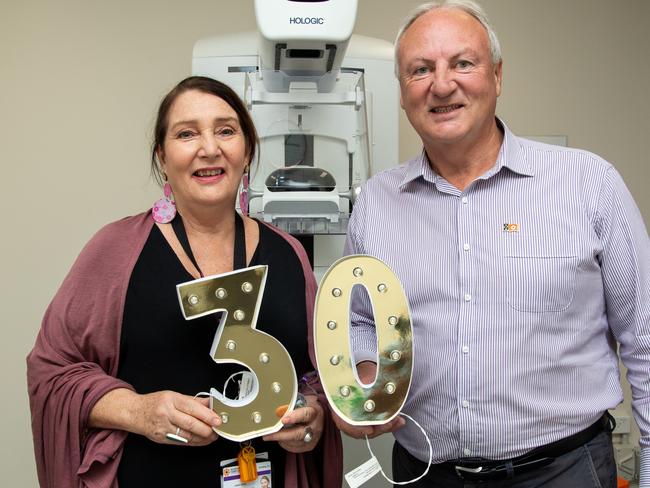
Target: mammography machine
325, 106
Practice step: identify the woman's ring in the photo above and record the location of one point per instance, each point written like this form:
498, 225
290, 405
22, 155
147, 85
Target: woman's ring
309, 435
177, 437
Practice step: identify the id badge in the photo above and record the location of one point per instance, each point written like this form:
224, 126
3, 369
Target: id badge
230, 473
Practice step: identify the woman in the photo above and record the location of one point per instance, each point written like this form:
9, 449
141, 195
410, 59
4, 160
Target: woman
114, 356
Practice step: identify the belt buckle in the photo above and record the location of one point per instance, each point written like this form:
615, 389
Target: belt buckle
462, 469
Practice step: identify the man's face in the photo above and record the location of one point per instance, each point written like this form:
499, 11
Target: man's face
449, 84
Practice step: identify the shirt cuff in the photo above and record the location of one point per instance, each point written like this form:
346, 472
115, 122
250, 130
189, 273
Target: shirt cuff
361, 356
644, 470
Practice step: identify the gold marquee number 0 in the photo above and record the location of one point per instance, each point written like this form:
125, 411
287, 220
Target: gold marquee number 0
239, 294
361, 404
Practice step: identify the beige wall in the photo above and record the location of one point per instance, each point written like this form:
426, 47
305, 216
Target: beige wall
80, 79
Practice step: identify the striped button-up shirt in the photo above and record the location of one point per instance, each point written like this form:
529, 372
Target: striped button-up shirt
519, 287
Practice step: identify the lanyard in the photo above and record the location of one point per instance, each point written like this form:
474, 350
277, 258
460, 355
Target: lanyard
239, 248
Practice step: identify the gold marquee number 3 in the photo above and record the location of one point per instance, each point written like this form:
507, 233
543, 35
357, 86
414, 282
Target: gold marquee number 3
355, 403
239, 295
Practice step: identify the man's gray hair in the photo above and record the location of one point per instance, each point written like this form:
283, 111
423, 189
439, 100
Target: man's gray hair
468, 6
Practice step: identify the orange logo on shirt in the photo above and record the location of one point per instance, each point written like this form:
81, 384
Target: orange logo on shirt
510, 227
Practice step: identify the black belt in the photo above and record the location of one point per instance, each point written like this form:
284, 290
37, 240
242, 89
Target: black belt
478, 469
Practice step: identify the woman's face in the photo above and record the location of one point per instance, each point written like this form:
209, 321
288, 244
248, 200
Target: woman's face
264, 483
204, 151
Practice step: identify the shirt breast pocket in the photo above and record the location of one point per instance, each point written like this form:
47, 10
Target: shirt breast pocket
540, 274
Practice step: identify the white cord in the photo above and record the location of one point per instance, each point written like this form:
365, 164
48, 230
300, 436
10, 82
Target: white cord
202, 394
428, 465
225, 385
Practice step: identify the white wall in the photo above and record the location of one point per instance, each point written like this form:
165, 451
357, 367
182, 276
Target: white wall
80, 81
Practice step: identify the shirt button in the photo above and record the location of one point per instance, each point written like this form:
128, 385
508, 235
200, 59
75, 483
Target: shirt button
466, 247
467, 452
464, 200
467, 297
465, 404
465, 349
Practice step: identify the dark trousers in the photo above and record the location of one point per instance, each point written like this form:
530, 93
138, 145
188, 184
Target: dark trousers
591, 465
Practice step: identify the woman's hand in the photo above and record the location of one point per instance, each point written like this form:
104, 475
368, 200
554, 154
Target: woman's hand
155, 415
298, 424
165, 412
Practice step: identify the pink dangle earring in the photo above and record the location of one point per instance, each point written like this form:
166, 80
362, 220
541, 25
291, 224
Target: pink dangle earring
164, 210
243, 195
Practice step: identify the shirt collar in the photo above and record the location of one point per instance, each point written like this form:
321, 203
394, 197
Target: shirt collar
418, 167
510, 156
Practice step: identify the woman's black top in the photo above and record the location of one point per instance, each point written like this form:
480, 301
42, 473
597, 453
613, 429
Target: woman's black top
159, 350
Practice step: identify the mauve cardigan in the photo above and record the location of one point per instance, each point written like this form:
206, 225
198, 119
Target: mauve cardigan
75, 360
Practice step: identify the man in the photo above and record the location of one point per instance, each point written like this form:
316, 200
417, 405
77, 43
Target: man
523, 264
